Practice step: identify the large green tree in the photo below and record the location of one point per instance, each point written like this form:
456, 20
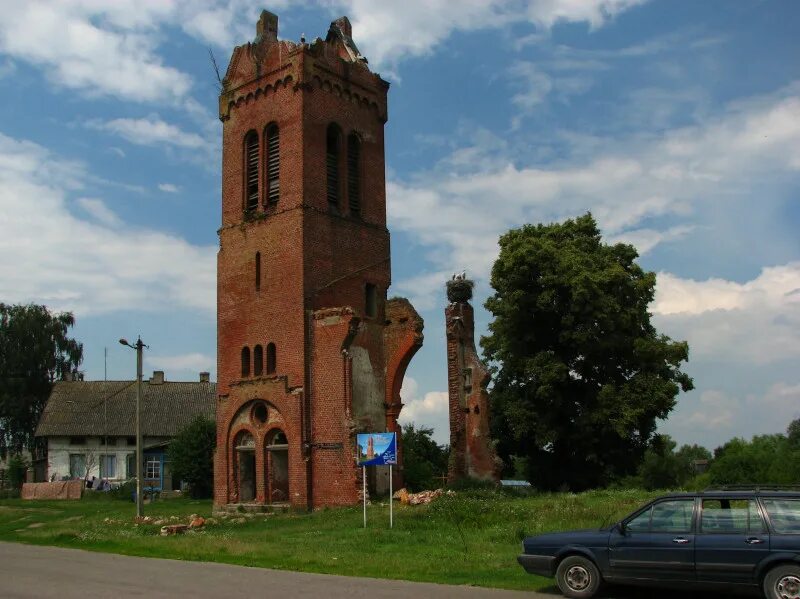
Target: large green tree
35, 350
191, 455
580, 373
424, 460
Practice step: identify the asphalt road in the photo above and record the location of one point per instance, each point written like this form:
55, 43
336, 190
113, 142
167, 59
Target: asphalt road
31, 572
28, 572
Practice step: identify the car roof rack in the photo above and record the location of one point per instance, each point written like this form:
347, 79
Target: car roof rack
756, 488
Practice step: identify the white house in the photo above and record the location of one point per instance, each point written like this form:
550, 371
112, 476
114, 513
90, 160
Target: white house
90, 426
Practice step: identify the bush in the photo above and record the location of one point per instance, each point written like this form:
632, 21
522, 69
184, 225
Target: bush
9, 493
17, 469
191, 455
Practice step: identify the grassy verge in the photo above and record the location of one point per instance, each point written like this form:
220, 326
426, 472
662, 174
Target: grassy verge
472, 538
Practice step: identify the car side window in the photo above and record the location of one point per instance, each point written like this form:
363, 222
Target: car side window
640, 523
784, 515
731, 516
674, 515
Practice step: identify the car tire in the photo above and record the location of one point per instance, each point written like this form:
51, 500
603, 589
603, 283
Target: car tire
578, 577
782, 582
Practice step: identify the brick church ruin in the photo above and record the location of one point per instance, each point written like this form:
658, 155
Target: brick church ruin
309, 350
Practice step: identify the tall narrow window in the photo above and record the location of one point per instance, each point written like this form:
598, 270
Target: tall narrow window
332, 163
354, 174
371, 300
258, 271
271, 358
251, 171
245, 362
258, 360
273, 165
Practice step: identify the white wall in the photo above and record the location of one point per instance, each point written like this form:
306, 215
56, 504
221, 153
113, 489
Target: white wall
59, 450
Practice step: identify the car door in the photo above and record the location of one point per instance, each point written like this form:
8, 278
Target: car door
731, 540
655, 544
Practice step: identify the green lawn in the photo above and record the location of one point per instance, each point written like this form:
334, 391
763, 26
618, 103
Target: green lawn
472, 538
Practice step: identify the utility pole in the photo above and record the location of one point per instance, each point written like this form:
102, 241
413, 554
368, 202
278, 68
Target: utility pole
138, 346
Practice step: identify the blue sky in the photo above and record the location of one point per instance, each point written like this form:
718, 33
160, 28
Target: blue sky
677, 123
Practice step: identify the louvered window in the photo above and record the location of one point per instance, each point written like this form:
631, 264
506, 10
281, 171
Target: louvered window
332, 162
273, 165
251, 171
354, 174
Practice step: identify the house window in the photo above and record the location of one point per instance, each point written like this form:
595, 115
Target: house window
152, 468
77, 440
271, 358
258, 360
130, 465
251, 171
77, 465
371, 300
273, 164
245, 362
258, 271
354, 174
108, 466
332, 164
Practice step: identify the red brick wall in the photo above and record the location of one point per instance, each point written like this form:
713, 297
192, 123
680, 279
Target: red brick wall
312, 258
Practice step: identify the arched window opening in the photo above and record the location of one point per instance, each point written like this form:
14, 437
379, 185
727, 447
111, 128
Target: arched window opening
276, 438
258, 271
354, 174
332, 162
273, 164
271, 358
251, 171
258, 360
371, 300
245, 362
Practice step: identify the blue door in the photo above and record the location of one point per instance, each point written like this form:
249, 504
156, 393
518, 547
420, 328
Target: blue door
731, 540
656, 544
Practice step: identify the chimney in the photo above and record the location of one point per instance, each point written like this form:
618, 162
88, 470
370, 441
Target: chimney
157, 378
267, 27
204, 377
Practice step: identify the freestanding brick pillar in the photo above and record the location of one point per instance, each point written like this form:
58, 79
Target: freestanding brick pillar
309, 350
472, 453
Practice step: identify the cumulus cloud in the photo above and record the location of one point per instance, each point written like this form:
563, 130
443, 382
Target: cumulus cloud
149, 131
86, 265
390, 31
459, 208
430, 410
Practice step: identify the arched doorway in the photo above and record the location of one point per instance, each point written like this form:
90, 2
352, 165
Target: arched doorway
244, 448
276, 464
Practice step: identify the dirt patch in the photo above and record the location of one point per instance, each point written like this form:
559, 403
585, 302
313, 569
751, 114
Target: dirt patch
36, 525
72, 519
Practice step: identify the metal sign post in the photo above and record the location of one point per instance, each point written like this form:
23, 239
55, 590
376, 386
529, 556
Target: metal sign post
376, 449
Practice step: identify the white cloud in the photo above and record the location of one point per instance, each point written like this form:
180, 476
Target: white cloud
97, 209
460, 207
69, 263
431, 410
389, 31
193, 362
753, 322
718, 415
169, 187
150, 131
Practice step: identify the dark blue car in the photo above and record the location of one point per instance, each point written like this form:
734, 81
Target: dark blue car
718, 540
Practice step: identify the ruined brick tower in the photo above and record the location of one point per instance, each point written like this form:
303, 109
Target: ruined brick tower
309, 350
472, 454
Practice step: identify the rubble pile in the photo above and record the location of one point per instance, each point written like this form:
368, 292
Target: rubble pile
421, 498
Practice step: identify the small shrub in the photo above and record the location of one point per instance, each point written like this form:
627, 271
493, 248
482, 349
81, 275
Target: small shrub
17, 468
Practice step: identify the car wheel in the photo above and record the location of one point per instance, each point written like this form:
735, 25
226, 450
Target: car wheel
578, 577
782, 582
